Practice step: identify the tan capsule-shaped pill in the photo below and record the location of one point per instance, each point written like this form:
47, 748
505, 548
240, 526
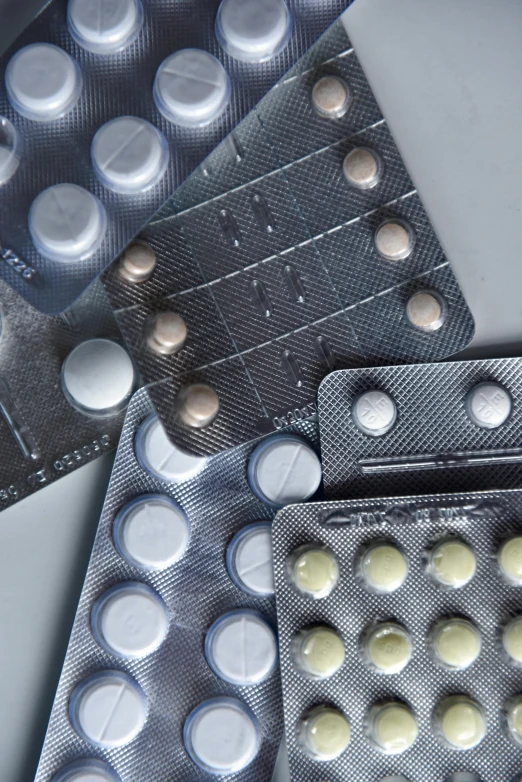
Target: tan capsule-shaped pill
425, 311
394, 240
166, 333
137, 263
362, 168
331, 97
197, 405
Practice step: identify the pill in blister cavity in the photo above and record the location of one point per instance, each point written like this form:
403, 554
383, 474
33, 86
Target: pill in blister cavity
374, 412
392, 727
253, 30
222, 736
137, 263
105, 26
394, 240
512, 639
318, 652
314, 570
9, 150
488, 405
129, 620
197, 405
67, 223
425, 310
241, 648
460, 722
191, 88
383, 567
161, 458
456, 643
331, 97
88, 770
452, 563
250, 559
387, 647
129, 155
151, 532
362, 168
513, 715
166, 333
108, 709
98, 377
324, 733
510, 560
284, 469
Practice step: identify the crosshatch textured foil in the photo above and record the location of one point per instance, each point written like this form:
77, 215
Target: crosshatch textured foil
197, 590
482, 519
431, 420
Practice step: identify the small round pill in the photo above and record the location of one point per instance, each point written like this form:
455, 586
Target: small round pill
166, 333
452, 563
388, 647
425, 311
331, 97
318, 651
456, 643
253, 30
488, 405
106, 26
512, 639
362, 168
191, 88
393, 727
510, 560
383, 567
250, 560
284, 469
241, 648
513, 711
86, 770
324, 732
197, 405
374, 413
394, 240
9, 150
137, 263
461, 722
314, 571
161, 458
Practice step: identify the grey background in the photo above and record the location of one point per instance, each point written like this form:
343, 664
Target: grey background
447, 76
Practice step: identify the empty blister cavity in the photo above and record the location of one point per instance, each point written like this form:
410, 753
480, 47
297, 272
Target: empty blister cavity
284, 469
250, 559
392, 727
324, 733
512, 640
374, 413
191, 88
166, 333
456, 643
513, 718
241, 648
105, 26
129, 620
394, 240
88, 770
151, 532
452, 563
161, 458
129, 155
137, 263
426, 310
460, 722
382, 567
331, 97
510, 560
9, 150
318, 652
362, 168
108, 709
386, 647
253, 30
313, 570
221, 736
488, 405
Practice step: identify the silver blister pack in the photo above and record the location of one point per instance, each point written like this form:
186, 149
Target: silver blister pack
112, 63
452, 426
450, 712
273, 259
196, 590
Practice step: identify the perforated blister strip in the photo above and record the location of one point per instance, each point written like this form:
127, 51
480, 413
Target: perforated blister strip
481, 519
197, 590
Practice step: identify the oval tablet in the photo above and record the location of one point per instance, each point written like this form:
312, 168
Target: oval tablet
394, 240
392, 727
241, 648
318, 651
488, 405
324, 732
374, 412
105, 26
512, 639
331, 97
452, 563
461, 722
314, 570
250, 561
510, 560
160, 457
284, 469
456, 643
87, 770
253, 30
383, 567
388, 647
362, 168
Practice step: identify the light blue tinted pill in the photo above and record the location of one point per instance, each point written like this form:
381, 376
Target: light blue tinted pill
488, 405
88, 770
253, 30
284, 469
241, 648
250, 561
104, 26
158, 456
374, 413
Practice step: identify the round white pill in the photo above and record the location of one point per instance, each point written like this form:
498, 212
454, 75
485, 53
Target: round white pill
98, 377
488, 405
151, 532
394, 240
362, 168
452, 563
253, 30
393, 727
388, 647
67, 223
250, 561
284, 469
456, 643
513, 711
374, 413
425, 311
512, 639
129, 620
314, 570
221, 736
191, 88
108, 709
461, 722
318, 652
510, 560
42, 82
241, 648
88, 770
105, 26
331, 97
383, 567
9, 150
324, 732
161, 458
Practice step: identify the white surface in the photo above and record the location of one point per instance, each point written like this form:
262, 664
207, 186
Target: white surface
154, 534
488, 405
374, 412
88, 770
384, 567
254, 561
242, 648
161, 457
98, 375
253, 30
110, 711
104, 26
223, 736
287, 470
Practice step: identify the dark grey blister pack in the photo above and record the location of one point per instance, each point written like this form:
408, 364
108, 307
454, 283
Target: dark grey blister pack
432, 427
482, 520
197, 590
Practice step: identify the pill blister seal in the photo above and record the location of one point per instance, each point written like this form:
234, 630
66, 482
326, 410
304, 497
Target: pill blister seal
196, 590
268, 256
432, 422
481, 519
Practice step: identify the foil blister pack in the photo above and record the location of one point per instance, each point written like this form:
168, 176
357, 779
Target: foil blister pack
298, 247
197, 666
397, 623
112, 106
422, 428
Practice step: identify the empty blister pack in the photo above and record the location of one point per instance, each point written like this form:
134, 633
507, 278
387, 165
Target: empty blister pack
108, 107
422, 428
172, 666
399, 628
64, 383
299, 246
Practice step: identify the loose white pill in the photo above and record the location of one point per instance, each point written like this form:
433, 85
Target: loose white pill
383, 567
512, 639
394, 240
513, 711
151, 532
452, 563
425, 310
191, 88
488, 405
105, 26
241, 648
284, 469
160, 457
9, 150
318, 652
331, 97
222, 736
108, 709
324, 732
250, 560
374, 413
510, 560
456, 643
42, 82
314, 570
388, 647
461, 722
88, 770
67, 223
362, 168
393, 727
253, 30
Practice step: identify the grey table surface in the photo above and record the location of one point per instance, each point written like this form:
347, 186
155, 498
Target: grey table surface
447, 75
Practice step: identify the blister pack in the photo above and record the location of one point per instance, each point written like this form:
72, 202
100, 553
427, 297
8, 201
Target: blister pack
108, 107
422, 428
299, 246
172, 667
64, 383
400, 632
